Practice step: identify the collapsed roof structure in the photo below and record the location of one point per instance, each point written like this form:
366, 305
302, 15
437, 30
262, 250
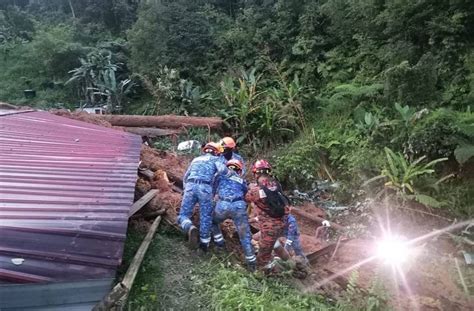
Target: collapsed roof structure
66, 191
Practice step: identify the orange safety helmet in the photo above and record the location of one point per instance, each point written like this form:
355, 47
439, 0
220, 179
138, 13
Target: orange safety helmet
261, 167
228, 142
234, 164
213, 148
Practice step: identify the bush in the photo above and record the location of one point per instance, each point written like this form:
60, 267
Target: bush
442, 134
412, 85
298, 165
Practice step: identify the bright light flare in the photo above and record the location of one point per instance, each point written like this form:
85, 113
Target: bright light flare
393, 250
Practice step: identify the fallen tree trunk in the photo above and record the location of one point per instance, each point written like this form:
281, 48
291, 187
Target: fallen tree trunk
169, 121
313, 218
152, 131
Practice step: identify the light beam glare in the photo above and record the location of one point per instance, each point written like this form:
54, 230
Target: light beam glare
395, 252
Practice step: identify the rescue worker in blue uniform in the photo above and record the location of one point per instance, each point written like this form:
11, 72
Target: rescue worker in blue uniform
231, 204
293, 238
230, 152
198, 187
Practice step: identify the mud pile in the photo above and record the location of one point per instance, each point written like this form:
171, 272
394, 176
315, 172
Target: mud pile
168, 170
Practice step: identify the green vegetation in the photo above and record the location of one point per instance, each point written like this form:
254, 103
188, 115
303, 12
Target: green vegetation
354, 91
324, 86
208, 284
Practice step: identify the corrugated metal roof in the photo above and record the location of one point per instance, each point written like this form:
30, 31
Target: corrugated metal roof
66, 188
67, 296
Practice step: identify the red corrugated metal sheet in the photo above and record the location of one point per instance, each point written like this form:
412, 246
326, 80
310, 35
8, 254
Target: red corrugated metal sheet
66, 188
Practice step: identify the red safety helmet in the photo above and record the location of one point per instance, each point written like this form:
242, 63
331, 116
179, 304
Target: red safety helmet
234, 164
213, 148
261, 167
228, 142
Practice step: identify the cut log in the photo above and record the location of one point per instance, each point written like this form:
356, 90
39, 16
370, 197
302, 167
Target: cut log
166, 121
178, 181
313, 218
146, 173
152, 131
121, 290
143, 201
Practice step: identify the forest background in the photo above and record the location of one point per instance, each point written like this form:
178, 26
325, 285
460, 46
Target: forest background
377, 94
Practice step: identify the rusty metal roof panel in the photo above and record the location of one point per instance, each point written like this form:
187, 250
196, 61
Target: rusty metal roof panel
66, 189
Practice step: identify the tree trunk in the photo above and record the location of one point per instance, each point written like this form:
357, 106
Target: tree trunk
152, 131
165, 121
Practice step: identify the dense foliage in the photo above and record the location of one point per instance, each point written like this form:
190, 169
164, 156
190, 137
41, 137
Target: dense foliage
339, 80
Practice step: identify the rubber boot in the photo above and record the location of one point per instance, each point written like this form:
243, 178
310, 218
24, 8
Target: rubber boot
193, 237
252, 266
219, 248
203, 248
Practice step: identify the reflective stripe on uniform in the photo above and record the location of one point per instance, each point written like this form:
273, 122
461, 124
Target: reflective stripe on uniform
207, 240
218, 238
251, 258
186, 222
289, 242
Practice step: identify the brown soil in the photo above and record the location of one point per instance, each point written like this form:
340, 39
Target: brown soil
305, 225
431, 274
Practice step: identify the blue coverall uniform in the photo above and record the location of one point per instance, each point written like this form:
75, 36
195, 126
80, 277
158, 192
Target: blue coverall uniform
293, 237
198, 184
231, 204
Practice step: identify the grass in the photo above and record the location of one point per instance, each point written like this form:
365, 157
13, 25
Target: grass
172, 277
167, 279
235, 289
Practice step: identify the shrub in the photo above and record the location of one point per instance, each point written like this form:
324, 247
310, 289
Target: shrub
400, 176
298, 165
443, 133
412, 85
261, 117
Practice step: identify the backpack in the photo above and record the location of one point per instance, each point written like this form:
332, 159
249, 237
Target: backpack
275, 200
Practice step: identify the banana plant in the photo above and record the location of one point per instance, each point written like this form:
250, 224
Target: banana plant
400, 176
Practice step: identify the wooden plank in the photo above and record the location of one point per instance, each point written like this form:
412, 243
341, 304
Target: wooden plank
137, 260
121, 290
142, 202
312, 258
152, 131
151, 215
